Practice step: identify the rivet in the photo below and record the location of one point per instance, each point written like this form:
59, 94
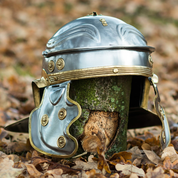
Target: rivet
62, 113
60, 64
61, 142
51, 65
103, 21
115, 71
44, 120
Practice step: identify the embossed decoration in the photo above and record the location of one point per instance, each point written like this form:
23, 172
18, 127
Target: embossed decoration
61, 142
51, 66
150, 60
44, 120
62, 114
103, 21
60, 64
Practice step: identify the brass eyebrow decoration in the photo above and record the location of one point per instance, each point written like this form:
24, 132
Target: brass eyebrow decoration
103, 21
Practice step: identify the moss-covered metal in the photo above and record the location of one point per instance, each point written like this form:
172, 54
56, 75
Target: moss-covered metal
103, 94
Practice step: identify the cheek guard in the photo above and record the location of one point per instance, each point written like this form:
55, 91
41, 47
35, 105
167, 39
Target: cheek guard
49, 123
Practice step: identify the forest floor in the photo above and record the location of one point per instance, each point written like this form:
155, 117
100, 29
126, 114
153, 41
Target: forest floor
25, 28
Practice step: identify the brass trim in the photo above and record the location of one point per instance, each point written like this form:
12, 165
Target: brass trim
62, 114
61, 142
144, 103
60, 63
44, 120
67, 129
150, 60
98, 72
51, 66
55, 78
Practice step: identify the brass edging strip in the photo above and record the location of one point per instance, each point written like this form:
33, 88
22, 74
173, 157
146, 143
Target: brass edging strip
99, 72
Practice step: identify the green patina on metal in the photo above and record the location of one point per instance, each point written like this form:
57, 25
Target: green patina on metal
103, 94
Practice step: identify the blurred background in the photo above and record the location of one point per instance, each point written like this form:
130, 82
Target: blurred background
26, 26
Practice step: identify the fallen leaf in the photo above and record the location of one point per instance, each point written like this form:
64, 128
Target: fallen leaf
67, 170
136, 153
173, 174
33, 172
170, 152
102, 162
14, 158
36, 159
18, 147
167, 165
92, 174
146, 146
128, 169
126, 155
55, 173
133, 175
158, 173
152, 156
85, 166
7, 170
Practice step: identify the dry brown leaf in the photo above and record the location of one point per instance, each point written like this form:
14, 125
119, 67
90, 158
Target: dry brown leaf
55, 173
152, 156
33, 172
136, 141
7, 170
115, 175
14, 158
28, 156
126, 155
102, 162
170, 152
137, 162
158, 173
146, 146
128, 169
136, 153
173, 174
18, 147
92, 174
133, 175
85, 166
167, 165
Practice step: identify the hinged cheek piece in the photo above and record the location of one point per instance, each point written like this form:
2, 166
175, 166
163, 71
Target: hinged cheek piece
49, 123
165, 133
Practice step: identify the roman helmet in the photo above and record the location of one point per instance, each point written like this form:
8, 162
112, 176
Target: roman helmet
93, 46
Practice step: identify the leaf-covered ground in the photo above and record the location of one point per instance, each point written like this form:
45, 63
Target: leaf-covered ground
25, 28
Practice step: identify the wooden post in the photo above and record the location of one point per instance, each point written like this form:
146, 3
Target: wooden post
105, 108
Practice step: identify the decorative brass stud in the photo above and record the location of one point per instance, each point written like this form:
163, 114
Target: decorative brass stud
115, 71
61, 142
60, 64
103, 21
44, 120
150, 60
51, 65
62, 113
